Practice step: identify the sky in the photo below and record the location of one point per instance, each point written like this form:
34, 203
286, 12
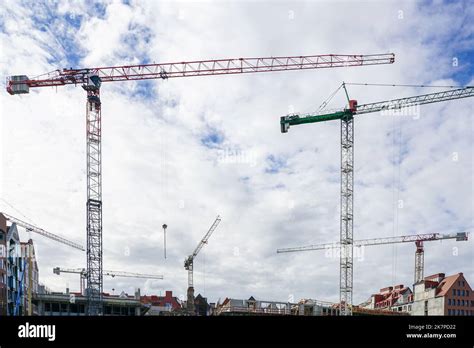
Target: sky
182, 151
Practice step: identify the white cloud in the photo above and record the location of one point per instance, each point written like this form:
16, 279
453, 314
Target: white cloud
156, 169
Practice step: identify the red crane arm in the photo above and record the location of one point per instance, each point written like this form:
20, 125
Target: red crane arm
21, 84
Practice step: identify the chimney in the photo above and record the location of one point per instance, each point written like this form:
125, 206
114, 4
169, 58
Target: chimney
438, 277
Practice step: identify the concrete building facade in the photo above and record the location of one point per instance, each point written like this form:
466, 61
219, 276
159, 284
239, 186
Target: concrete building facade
74, 304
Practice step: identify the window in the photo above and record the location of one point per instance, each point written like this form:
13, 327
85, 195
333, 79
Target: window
449, 312
463, 284
467, 292
462, 311
108, 310
454, 292
459, 283
463, 293
459, 303
459, 292
472, 303
449, 301
462, 303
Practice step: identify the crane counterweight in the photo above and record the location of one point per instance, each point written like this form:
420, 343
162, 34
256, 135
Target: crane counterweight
17, 84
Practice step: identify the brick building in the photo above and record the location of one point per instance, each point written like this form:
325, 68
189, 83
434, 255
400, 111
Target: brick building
440, 295
159, 305
398, 298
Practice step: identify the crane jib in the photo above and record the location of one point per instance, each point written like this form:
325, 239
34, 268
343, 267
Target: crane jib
394, 104
20, 84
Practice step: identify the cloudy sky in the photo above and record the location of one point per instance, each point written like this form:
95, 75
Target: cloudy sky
182, 151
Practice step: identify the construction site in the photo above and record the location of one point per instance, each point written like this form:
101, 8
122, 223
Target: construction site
212, 202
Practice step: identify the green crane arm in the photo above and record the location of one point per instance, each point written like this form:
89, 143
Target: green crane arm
394, 104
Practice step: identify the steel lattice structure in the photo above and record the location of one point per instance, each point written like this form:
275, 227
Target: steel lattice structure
83, 274
426, 237
58, 270
189, 263
40, 231
346, 214
347, 162
198, 68
94, 197
91, 78
418, 239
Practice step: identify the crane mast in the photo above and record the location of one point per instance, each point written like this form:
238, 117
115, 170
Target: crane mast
347, 168
189, 263
91, 79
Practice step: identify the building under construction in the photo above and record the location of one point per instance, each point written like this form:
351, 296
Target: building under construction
74, 304
305, 307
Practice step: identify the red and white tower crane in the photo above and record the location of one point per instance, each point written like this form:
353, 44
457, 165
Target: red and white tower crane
90, 79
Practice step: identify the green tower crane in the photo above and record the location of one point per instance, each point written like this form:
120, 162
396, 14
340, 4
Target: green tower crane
346, 116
